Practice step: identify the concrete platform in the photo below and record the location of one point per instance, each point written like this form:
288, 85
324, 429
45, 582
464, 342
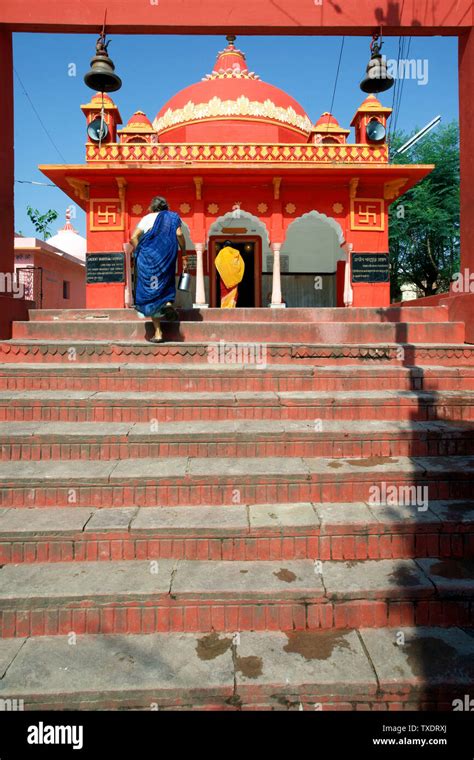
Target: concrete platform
145, 406
187, 481
49, 584
195, 468
41, 440
348, 531
208, 377
235, 519
177, 595
318, 670
251, 331
390, 314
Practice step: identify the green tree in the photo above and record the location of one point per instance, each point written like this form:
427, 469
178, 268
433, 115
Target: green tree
42, 222
424, 222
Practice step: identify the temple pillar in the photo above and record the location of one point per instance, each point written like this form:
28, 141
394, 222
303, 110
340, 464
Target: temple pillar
7, 214
348, 293
466, 128
199, 232
276, 278
200, 287
11, 307
277, 234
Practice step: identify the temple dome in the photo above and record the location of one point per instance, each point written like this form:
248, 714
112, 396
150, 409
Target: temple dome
232, 104
69, 240
138, 122
328, 129
327, 119
138, 129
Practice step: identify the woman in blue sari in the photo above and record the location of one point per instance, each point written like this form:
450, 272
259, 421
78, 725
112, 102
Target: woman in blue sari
155, 241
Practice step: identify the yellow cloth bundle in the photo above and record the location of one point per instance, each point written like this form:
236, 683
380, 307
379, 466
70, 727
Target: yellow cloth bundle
230, 265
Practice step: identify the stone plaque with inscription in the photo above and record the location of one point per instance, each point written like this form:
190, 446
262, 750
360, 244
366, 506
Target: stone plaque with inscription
105, 267
370, 267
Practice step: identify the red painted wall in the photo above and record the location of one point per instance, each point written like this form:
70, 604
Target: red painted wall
12, 310
461, 308
466, 126
375, 294
297, 197
6, 154
411, 17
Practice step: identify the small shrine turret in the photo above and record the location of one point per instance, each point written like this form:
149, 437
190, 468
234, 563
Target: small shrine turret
327, 131
138, 129
370, 122
103, 117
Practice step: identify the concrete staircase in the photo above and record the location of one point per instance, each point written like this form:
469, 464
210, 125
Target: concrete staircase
275, 509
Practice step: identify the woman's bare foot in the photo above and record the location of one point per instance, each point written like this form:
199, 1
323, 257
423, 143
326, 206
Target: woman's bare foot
158, 333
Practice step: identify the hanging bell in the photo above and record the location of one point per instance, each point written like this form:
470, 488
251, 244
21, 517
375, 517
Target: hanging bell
377, 78
101, 76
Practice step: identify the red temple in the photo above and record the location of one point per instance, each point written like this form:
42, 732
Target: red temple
240, 159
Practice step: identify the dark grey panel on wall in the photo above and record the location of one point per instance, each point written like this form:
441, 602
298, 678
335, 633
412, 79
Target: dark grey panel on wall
298, 290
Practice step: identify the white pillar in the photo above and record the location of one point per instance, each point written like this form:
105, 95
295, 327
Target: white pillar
200, 287
276, 278
348, 292
128, 251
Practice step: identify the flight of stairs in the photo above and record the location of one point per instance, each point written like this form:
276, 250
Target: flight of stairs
198, 525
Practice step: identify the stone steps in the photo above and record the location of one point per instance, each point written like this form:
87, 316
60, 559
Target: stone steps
245, 332
357, 314
234, 438
155, 407
219, 481
353, 531
219, 522
428, 668
229, 378
256, 354
197, 595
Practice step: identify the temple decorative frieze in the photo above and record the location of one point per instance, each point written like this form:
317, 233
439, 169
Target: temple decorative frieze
291, 154
242, 106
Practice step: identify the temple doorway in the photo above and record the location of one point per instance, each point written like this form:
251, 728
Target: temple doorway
250, 289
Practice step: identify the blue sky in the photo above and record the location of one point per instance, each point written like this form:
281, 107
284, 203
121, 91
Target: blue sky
153, 68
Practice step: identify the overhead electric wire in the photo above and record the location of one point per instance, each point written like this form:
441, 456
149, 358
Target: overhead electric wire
395, 88
39, 118
402, 82
336, 79
398, 86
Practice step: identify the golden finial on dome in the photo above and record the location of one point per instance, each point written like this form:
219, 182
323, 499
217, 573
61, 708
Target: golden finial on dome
231, 38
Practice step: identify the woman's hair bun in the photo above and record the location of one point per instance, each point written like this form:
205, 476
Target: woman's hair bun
158, 203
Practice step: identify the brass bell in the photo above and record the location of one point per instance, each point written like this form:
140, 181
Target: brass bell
101, 76
377, 78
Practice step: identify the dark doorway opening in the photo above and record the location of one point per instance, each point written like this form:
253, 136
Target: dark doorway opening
249, 293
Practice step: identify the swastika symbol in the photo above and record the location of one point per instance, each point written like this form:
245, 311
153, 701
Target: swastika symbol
107, 215
367, 216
